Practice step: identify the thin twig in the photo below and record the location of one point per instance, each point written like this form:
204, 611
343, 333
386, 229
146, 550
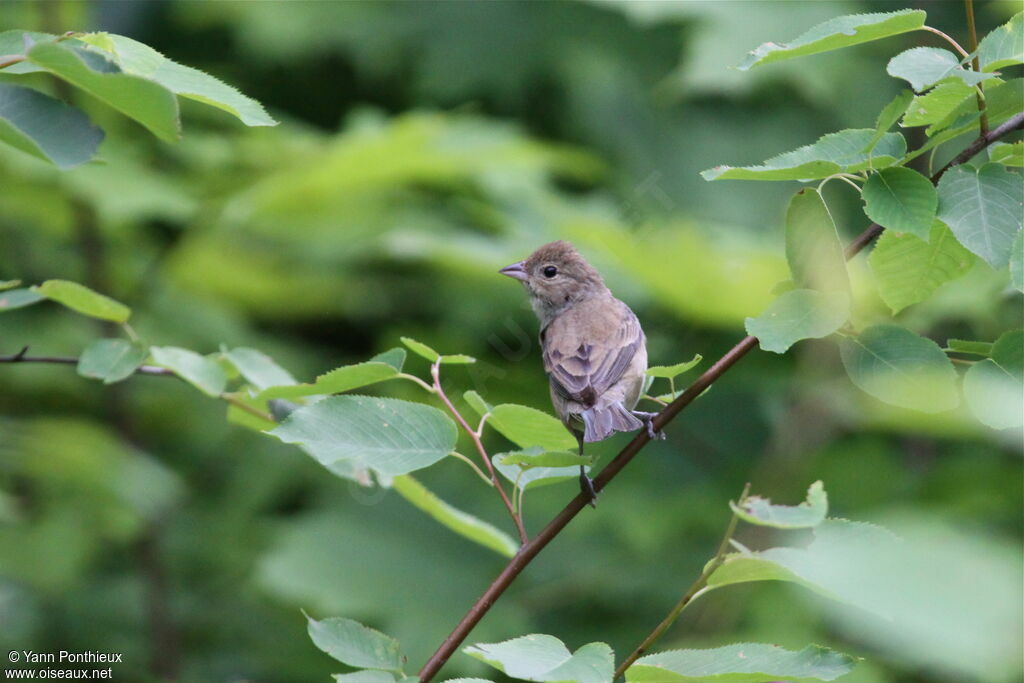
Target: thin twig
956, 45
530, 550
695, 588
972, 33
20, 357
242, 405
435, 372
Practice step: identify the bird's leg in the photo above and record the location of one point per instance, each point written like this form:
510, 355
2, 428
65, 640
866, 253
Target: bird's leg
648, 420
586, 483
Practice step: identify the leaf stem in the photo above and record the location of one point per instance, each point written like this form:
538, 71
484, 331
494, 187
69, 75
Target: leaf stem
435, 372
242, 405
417, 380
972, 34
963, 52
472, 464
695, 589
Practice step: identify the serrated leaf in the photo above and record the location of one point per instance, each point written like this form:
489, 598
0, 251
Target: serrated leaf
111, 360
761, 511
526, 478
813, 250
673, 371
1007, 154
149, 103
421, 349
46, 128
899, 367
341, 379
901, 199
837, 33
258, 368
908, 269
528, 427
202, 372
477, 402
352, 643
1004, 46
1016, 262
936, 105
460, 522
741, 663
984, 208
890, 114
394, 357
19, 298
83, 300
141, 60
540, 657
976, 348
923, 67
831, 154
390, 436
799, 314
530, 459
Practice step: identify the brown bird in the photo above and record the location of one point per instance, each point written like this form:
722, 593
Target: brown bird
594, 349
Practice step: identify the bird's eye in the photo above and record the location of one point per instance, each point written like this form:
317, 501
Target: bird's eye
550, 271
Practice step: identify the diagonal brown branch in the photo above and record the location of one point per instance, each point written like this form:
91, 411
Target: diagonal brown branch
710, 376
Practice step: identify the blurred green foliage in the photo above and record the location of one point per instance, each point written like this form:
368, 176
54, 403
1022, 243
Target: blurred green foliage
422, 147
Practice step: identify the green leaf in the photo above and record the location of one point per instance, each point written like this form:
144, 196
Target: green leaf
530, 459
901, 199
341, 379
1008, 352
837, 33
8, 284
889, 115
1007, 154
19, 298
367, 676
457, 359
46, 128
983, 208
14, 43
394, 357
458, 521
477, 402
83, 300
247, 419
390, 436
994, 395
540, 657
760, 511
908, 269
976, 348
741, 663
141, 60
111, 360
1016, 262
831, 154
421, 349
1004, 46
1002, 101
813, 250
923, 67
937, 105
897, 366
258, 368
352, 643
526, 478
149, 103
528, 427
799, 314
202, 372
673, 371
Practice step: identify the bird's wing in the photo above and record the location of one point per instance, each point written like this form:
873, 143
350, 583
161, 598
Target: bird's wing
585, 360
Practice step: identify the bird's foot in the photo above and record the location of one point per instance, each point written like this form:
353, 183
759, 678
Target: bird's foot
587, 488
648, 420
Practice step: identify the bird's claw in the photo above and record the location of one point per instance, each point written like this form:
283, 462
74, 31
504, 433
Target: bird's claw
588, 490
648, 420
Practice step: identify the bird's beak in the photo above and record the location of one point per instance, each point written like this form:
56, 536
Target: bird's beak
515, 270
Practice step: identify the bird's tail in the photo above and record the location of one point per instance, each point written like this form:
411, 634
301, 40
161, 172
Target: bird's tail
601, 421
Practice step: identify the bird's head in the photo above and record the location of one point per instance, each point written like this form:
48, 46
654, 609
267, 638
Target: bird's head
556, 276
